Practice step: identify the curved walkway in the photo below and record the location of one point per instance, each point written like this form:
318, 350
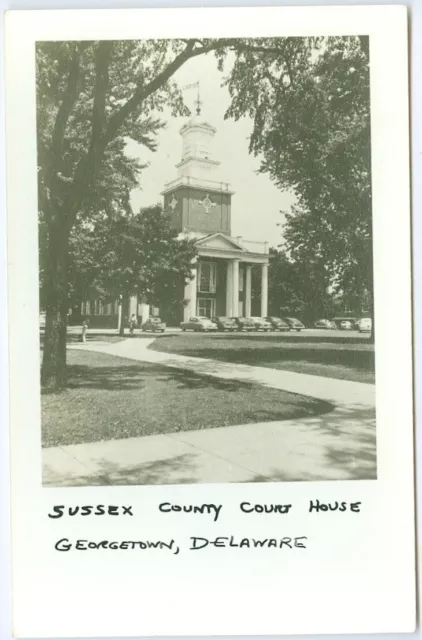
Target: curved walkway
340, 445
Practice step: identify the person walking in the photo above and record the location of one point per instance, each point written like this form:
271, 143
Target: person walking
84, 330
132, 323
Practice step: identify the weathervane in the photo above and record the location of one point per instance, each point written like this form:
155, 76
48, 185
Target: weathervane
198, 102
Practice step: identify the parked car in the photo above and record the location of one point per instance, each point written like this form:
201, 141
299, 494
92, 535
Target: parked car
346, 324
244, 324
154, 324
324, 324
278, 324
364, 325
294, 324
198, 323
225, 324
261, 324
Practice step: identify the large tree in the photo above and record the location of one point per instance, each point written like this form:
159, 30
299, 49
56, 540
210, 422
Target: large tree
309, 100
298, 288
144, 257
91, 97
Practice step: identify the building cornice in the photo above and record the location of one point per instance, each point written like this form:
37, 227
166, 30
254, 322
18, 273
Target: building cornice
191, 158
242, 256
196, 183
192, 124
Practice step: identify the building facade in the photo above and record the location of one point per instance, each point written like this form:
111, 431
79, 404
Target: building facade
199, 204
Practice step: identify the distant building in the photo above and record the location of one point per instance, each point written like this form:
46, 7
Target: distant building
200, 208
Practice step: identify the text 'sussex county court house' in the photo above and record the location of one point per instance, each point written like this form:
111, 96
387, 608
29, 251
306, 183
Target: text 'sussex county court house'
200, 207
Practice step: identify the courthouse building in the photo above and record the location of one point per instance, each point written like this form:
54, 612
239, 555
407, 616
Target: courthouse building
200, 206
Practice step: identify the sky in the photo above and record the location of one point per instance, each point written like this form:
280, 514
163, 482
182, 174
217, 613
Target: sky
256, 203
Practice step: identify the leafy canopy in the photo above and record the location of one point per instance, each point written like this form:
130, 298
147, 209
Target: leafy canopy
136, 255
309, 101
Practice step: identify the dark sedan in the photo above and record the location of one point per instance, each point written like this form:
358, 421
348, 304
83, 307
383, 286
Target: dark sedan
225, 324
154, 324
244, 324
294, 324
278, 324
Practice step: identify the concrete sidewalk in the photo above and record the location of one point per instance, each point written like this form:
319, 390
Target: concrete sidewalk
328, 389
340, 445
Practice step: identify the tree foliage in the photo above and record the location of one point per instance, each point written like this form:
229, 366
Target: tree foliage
309, 101
144, 257
92, 97
298, 289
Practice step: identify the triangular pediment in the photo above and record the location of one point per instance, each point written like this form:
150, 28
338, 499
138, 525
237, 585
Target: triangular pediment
219, 241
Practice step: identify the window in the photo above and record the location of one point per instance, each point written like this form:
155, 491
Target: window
207, 277
206, 307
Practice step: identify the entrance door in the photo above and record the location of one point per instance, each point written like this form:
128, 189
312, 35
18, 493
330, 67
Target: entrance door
206, 307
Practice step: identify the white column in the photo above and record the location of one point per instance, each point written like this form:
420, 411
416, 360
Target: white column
190, 295
229, 290
144, 308
264, 290
133, 305
248, 290
235, 285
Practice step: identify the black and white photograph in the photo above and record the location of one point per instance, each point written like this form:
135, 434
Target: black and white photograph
210, 321
205, 260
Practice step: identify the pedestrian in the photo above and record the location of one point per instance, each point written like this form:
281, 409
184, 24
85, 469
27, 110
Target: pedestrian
132, 323
84, 329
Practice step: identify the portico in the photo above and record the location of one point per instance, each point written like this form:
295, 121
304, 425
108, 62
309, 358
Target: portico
222, 279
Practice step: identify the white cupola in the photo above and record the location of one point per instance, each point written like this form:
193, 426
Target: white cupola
197, 162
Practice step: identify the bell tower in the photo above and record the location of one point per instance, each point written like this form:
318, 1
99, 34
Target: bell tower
197, 199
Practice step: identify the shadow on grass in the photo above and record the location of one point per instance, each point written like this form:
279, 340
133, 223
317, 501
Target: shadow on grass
361, 360
273, 337
137, 377
124, 378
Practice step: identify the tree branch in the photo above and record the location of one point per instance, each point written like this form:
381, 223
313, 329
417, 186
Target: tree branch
70, 95
191, 51
84, 169
144, 92
102, 61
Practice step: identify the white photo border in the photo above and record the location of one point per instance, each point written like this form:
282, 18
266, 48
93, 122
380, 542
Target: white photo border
383, 597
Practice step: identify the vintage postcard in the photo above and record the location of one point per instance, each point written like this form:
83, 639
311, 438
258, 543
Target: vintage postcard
210, 321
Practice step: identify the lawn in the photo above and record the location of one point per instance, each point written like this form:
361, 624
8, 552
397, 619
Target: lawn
344, 358
110, 398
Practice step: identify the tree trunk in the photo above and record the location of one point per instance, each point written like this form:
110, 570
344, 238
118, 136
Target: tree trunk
120, 326
123, 314
121, 320
53, 370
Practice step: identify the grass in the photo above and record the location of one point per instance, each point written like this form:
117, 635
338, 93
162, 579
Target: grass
345, 358
110, 398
